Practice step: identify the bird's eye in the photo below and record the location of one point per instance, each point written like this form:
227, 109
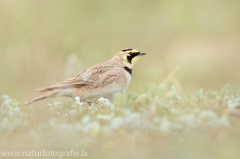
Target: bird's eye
130, 54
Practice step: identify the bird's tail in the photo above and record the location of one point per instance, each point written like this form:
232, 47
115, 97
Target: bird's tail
47, 95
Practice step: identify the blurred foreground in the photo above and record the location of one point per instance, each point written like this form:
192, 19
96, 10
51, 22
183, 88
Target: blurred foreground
202, 125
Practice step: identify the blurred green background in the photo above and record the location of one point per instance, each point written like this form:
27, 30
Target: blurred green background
47, 41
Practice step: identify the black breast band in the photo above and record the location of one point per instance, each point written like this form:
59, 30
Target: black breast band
128, 70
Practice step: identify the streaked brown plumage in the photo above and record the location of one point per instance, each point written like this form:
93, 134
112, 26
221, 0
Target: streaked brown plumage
101, 80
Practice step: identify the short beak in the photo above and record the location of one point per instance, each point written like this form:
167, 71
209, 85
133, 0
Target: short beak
142, 53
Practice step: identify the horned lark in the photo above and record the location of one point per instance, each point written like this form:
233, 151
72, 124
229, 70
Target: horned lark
101, 80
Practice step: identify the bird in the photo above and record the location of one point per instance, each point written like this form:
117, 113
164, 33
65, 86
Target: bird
101, 80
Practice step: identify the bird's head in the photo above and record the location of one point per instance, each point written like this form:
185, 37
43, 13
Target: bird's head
129, 56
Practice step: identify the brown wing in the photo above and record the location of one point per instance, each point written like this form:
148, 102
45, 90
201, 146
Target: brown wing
86, 77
